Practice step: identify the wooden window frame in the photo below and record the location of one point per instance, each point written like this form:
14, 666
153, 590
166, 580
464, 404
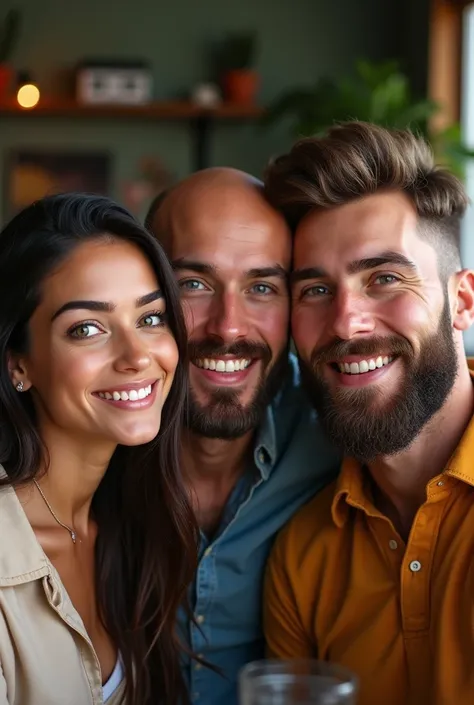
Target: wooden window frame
445, 59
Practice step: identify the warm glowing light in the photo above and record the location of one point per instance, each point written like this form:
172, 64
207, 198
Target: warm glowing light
28, 96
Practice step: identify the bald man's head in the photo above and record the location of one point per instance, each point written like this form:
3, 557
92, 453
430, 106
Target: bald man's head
203, 196
231, 252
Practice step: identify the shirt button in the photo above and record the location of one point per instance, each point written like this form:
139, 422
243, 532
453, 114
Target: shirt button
393, 544
262, 456
415, 566
208, 551
440, 483
200, 619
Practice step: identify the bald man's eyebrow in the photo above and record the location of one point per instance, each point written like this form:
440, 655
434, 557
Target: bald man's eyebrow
275, 270
193, 266
267, 272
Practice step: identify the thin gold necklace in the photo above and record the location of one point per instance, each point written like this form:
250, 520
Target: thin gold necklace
65, 526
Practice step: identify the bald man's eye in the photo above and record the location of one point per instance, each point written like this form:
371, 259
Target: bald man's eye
191, 285
262, 289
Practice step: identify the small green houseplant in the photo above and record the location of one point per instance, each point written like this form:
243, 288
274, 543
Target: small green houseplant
378, 93
236, 59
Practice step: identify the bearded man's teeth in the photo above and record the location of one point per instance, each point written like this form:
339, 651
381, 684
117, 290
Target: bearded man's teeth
358, 368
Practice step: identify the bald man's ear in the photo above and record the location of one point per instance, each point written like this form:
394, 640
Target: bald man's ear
154, 208
463, 312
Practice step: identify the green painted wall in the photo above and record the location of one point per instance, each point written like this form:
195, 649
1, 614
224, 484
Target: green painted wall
415, 42
299, 40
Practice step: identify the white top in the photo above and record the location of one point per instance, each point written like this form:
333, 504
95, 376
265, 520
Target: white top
114, 681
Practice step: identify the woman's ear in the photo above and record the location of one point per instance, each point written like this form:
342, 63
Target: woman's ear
18, 372
463, 293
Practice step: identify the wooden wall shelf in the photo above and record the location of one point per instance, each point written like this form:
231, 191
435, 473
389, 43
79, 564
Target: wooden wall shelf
161, 110
200, 119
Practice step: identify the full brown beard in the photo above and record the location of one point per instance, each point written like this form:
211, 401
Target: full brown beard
363, 423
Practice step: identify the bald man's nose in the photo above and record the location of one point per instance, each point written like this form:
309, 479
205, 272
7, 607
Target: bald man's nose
228, 320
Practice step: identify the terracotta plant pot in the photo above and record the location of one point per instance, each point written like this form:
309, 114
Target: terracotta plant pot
6, 75
241, 86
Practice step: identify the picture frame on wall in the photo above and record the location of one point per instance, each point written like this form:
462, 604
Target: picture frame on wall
34, 173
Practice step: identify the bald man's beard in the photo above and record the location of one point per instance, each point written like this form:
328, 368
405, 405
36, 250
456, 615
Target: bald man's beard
224, 416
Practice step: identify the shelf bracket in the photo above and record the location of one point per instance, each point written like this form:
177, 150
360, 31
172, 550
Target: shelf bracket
202, 128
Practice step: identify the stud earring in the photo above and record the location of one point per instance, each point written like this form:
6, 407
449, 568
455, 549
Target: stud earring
19, 387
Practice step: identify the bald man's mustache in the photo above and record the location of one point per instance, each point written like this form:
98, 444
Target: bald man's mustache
242, 349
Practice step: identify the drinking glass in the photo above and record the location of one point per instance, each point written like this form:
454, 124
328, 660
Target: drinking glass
296, 682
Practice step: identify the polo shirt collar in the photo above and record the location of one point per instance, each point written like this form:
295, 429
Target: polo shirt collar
461, 464
352, 486
351, 490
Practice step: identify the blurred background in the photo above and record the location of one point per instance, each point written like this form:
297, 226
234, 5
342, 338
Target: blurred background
127, 96
288, 43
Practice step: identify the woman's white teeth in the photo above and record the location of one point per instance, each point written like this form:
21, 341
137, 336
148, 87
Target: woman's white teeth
357, 368
132, 395
222, 365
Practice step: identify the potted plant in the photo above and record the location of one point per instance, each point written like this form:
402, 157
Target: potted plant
9, 31
240, 82
377, 93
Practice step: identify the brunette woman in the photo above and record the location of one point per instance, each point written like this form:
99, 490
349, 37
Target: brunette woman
97, 539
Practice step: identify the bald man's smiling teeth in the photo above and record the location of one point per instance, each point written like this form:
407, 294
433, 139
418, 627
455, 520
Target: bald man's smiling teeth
224, 371
222, 365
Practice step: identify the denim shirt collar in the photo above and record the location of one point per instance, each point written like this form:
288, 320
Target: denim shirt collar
265, 450
270, 440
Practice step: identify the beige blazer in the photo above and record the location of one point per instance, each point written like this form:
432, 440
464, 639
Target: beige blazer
46, 657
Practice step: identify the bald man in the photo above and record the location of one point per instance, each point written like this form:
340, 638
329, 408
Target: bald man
252, 452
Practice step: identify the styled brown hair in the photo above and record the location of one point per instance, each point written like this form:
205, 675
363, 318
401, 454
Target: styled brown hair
356, 159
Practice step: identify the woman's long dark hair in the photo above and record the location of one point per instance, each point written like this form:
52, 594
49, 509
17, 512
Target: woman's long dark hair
146, 550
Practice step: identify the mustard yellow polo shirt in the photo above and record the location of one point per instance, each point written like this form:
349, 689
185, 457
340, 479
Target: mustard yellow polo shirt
343, 586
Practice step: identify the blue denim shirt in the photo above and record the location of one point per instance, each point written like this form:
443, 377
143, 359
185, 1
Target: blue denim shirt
292, 460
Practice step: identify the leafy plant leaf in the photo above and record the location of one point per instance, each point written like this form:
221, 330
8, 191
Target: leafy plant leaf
376, 92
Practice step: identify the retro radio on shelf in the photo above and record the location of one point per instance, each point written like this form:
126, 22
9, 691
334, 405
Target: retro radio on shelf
114, 83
